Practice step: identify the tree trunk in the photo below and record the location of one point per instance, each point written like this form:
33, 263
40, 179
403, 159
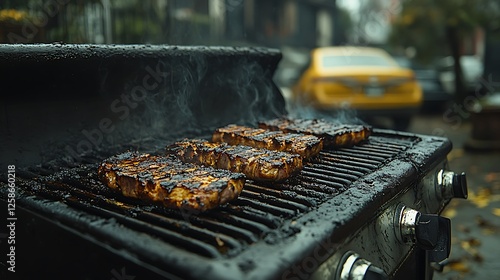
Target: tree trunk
454, 41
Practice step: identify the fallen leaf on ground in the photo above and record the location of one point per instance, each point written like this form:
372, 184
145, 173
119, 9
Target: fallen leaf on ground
482, 198
455, 153
459, 265
490, 177
219, 241
495, 197
486, 225
471, 242
487, 231
477, 257
470, 246
450, 213
496, 212
463, 228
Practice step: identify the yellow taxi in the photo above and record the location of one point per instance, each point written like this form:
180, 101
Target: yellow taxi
366, 79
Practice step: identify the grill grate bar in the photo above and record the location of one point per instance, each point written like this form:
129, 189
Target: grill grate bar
216, 226
295, 186
337, 172
255, 215
360, 155
171, 237
253, 225
226, 217
329, 186
342, 165
393, 149
392, 142
272, 200
250, 227
375, 151
288, 195
220, 241
180, 225
280, 212
248, 235
349, 159
341, 181
337, 169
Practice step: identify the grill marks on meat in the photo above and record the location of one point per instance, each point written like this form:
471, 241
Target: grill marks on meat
257, 164
260, 154
170, 181
305, 145
333, 134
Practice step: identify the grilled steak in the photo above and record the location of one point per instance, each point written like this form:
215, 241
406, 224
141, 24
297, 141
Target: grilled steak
304, 145
333, 134
257, 164
168, 180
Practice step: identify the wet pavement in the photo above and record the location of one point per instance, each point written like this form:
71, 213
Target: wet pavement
475, 250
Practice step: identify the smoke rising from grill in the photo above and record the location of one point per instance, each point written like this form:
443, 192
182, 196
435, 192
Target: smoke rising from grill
341, 115
87, 102
192, 96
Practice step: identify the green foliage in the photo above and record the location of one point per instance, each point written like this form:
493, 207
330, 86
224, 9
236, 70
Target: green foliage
422, 24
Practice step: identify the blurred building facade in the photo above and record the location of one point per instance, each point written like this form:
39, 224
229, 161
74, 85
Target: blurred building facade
297, 23
273, 23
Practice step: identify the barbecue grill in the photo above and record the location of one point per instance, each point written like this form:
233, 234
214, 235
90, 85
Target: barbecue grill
366, 212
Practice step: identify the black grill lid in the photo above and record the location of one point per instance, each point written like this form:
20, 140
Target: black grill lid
56, 96
67, 69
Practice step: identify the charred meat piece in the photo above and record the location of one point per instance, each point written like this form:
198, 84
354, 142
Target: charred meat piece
170, 181
305, 145
333, 134
257, 164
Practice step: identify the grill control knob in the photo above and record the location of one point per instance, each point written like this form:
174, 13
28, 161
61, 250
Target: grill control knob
353, 267
452, 185
428, 231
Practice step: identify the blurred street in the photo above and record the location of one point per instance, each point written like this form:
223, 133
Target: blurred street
475, 221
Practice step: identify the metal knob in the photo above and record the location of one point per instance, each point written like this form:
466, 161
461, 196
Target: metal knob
353, 267
452, 185
459, 184
428, 231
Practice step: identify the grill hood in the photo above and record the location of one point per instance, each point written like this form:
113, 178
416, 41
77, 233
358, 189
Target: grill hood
83, 98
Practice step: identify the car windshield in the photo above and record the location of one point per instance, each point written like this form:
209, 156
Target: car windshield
357, 60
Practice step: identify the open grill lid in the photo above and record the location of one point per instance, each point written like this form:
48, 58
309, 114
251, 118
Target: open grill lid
70, 100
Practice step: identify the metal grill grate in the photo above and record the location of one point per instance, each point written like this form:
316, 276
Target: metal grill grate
228, 230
